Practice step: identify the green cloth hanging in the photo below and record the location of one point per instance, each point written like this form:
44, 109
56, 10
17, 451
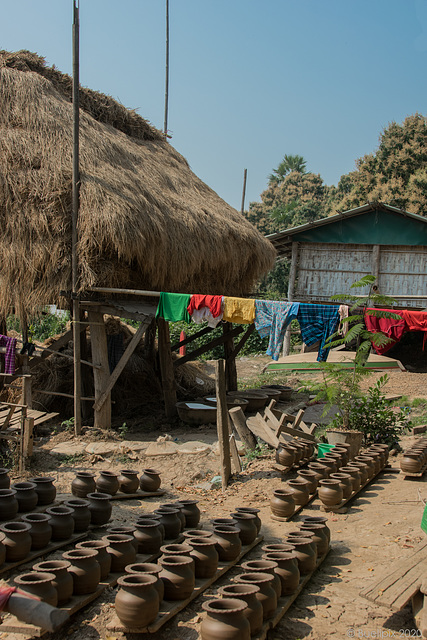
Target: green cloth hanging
424, 520
173, 307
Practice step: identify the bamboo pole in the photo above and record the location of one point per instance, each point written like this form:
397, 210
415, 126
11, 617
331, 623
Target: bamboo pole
244, 191
165, 128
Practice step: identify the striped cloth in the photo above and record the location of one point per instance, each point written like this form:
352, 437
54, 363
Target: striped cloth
9, 360
318, 322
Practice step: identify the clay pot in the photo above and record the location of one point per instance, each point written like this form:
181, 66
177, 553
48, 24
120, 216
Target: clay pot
377, 458
266, 594
40, 584
319, 470
137, 601
100, 507
108, 482
4, 478
309, 445
180, 507
227, 542
127, 531
181, 549
311, 477
338, 457
81, 514
286, 547
191, 512
61, 521
411, 462
346, 483
287, 570
299, 451
150, 480
344, 453
363, 470
205, 556
198, 533
45, 489
225, 619
128, 481
26, 496
308, 521
121, 550
255, 512
83, 483
306, 554
246, 592
103, 557
151, 569
384, 450
354, 474
8, 504
62, 580
369, 463
285, 455
321, 536
84, 569
148, 535
245, 522
171, 522
157, 518
330, 492
17, 540
220, 521
282, 504
40, 531
2, 549
329, 463
301, 490
177, 575
264, 566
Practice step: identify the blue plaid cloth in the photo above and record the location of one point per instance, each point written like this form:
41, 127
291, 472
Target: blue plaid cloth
271, 319
318, 322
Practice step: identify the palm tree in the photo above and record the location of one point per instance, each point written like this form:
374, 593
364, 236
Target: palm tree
288, 164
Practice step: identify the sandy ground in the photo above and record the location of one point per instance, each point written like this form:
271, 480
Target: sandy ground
381, 526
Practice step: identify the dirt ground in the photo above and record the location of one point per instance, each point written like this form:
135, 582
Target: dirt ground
381, 526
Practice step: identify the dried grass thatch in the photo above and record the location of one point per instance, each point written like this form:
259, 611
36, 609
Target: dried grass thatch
146, 220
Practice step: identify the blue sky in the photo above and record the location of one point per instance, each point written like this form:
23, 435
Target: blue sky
250, 80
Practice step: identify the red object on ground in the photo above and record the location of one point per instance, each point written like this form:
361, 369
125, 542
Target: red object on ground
183, 349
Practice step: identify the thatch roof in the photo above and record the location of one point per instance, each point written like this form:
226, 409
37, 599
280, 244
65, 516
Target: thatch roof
146, 220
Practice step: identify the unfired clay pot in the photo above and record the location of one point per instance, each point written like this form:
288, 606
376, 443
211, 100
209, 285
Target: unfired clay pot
4, 479
171, 522
330, 492
411, 462
285, 455
306, 554
278, 546
17, 540
61, 521
127, 531
197, 533
83, 483
177, 549
108, 482
39, 584
84, 569
311, 477
282, 504
148, 535
308, 521
264, 566
287, 570
8, 504
247, 593
41, 531
345, 481
227, 542
354, 474
205, 556
225, 619
300, 489
253, 511
151, 569
177, 575
128, 481
137, 601
103, 557
191, 512
100, 507
150, 480
266, 595
62, 580
45, 489
121, 550
81, 514
26, 495
320, 536
319, 470
245, 522
180, 514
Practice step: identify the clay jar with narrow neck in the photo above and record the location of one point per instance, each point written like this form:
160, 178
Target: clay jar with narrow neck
81, 514
245, 522
150, 480
178, 506
346, 483
300, 489
100, 507
311, 478
171, 522
83, 483
45, 489
227, 542
205, 556
178, 577
128, 531
287, 570
320, 536
282, 504
330, 492
254, 512
103, 557
225, 619
148, 535
354, 474
4, 478
61, 521
137, 601
40, 584
151, 569
128, 481
84, 569
62, 580
264, 566
41, 531
121, 550
108, 482
306, 553
246, 592
191, 512
285, 455
26, 495
266, 594
17, 540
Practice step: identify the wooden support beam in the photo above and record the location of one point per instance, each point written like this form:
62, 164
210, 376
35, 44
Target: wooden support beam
27, 437
100, 356
213, 343
199, 334
239, 421
230, 358
241, 343
235, 454
121, 364
222, 422
166, 367
27, 395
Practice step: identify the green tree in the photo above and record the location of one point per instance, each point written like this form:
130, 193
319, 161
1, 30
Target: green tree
289, 163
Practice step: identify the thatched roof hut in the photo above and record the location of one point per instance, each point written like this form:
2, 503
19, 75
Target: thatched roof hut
146, 220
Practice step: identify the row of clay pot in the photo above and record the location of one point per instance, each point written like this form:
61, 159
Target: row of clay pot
294, 452
253, 599
37, 530
127, 481
415, 458
24, 496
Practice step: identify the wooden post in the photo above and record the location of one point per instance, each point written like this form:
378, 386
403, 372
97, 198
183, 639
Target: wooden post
27, 436
98, 336
291, 288
27, 394
376, 254
246, 436
86, 381
222, 422
166, 367
230, 360
245, 175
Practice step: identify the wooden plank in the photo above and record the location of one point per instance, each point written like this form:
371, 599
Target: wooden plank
100, 376
213, 343
27, 437
166, 368
239, 421
222, 422
8, 418
235, 454
263, 430
296, 433
191, 338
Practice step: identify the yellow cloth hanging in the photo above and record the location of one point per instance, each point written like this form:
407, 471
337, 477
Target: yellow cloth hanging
239, 310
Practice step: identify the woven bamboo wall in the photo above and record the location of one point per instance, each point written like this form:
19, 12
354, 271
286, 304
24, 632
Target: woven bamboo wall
328, 269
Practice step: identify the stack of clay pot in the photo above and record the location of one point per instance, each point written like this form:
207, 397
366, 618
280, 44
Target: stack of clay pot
110, 482
415, 459
294, 452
